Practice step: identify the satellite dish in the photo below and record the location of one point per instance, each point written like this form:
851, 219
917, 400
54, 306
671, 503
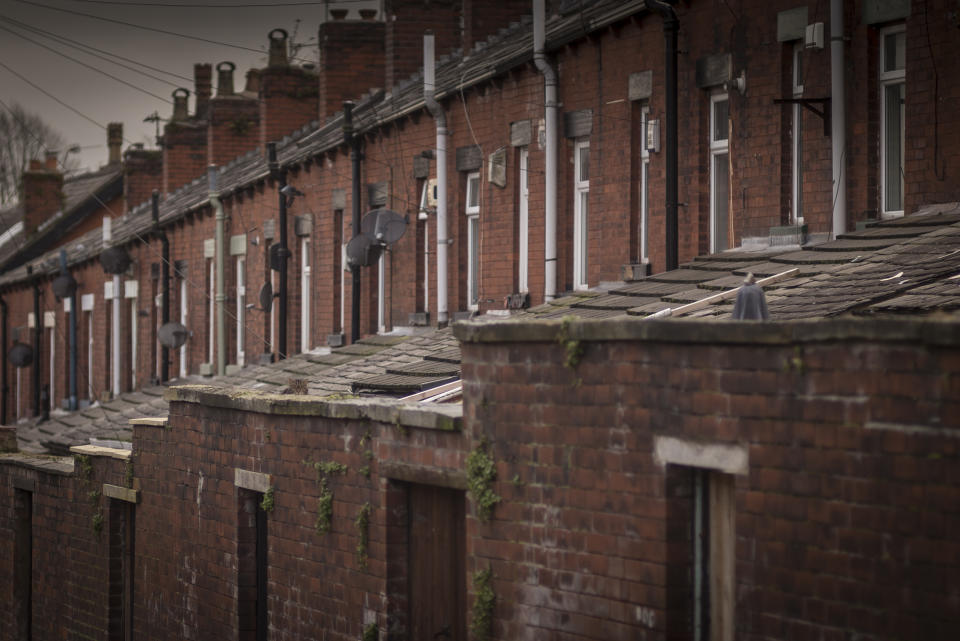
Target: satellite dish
172, 335
363, 251
21, 354
115, 260
64, 285
384, 225
266, 297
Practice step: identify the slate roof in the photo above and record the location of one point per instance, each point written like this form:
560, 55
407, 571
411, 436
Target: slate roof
918, 273
351, 370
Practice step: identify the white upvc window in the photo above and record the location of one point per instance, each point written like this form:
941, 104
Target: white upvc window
796, 205
183, 321
472, 210
382, 292
211, 310
644, 185
86, 308
893, 44
305, 269
50, 323
581, 193
523, 259
241, 309
425, 216
719, 172
130, 292
273, 311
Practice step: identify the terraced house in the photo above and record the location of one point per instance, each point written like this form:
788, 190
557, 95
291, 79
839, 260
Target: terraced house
454, 358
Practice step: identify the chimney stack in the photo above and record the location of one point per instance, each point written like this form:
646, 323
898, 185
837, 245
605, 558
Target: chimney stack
225, 78
114, 141
42, 192
253, 81
278, 48
203, 82
180, 97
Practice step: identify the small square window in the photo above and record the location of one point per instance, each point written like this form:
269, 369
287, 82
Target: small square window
473, 193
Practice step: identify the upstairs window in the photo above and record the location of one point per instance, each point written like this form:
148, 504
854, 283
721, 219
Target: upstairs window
893, 44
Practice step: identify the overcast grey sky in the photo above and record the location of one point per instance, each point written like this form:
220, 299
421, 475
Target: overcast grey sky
242, 30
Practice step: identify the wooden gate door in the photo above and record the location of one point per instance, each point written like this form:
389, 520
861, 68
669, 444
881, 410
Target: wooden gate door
436, 573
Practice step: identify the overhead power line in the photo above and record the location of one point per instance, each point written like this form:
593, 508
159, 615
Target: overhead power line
54, 98
80, 46
83, 64
138, 26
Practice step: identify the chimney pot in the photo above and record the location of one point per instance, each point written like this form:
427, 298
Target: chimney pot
253, 81
278, 48
35, 165
114, 141
225, 78
203, 81
51, 160
180, 96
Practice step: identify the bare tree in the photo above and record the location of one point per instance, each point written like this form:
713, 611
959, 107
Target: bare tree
23, 136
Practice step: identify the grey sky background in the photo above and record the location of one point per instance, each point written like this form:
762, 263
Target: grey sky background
104, 99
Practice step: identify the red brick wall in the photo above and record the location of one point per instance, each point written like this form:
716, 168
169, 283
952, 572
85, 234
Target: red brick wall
233, 128
407, 20
288, 101
142, 173
847, 505
42, 195
184, 153
351, 62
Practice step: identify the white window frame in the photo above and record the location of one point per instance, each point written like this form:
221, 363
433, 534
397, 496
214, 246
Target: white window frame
86, 307
424, 211
52, 326
212, 310
796, 204
890, 79
472, 211
718, 147
305, 274
241, 309
382, 292
273, 311
130, 292
523, 258
581, 209
183, 321
644, 185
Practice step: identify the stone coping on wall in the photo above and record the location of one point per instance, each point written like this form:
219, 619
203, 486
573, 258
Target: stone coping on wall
149, 421
448, 418
99, 450
62, 465
941, 330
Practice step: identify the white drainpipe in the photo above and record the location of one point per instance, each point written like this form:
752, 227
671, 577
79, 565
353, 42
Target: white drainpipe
838, 100
219, 242
429, 91
550, 151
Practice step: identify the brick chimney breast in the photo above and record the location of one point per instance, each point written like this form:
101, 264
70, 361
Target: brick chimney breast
203, 83
50, 161
42, 192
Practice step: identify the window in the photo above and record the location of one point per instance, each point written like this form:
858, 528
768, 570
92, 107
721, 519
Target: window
130, 290
892, 93
183, 321
719, 172
211, 311
241, 309
644, 184
49, 324
796, 210
23, 561
581, 192
251, 566
86, 308
423, 243
305, 295
472, 211
121, 570
523, 233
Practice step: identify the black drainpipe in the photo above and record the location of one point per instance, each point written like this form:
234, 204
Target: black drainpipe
280, 175
671, 25
3, 367
350, 137
164, 284
37, 329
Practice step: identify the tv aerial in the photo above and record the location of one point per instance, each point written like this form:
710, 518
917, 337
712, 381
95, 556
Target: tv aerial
379, 229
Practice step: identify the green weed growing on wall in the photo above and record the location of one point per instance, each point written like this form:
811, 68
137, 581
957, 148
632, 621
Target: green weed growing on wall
363, 532
371, 632
481, 619
266, 503
325, 469
481, 473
